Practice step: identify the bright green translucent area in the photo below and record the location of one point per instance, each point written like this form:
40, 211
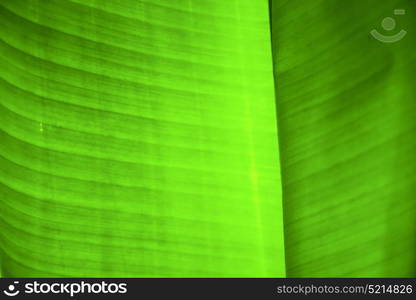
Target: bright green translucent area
347, 131
138, 138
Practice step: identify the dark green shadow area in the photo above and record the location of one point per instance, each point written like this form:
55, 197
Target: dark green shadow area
347, 133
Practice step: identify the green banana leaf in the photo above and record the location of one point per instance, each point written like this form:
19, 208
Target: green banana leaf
186, 138
139, 138
347, 132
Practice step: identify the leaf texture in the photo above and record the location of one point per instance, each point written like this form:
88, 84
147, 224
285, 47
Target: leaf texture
186, 138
